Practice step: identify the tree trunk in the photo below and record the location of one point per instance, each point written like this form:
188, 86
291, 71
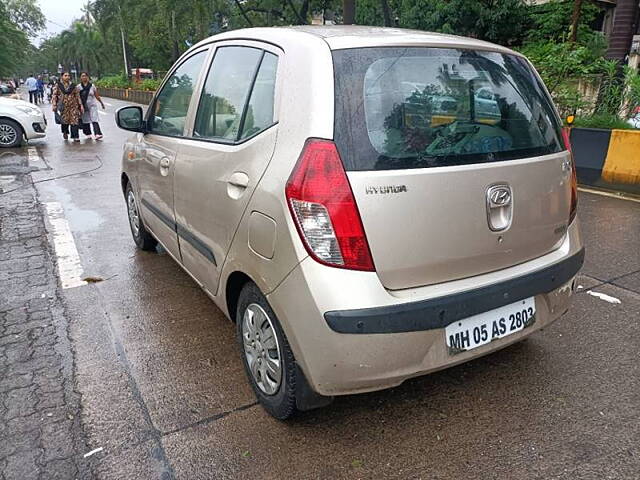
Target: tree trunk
386, 13
575, 20
348, 12
304, 10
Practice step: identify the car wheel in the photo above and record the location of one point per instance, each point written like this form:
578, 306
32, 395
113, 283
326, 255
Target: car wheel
266, 355
10, 133
144, 240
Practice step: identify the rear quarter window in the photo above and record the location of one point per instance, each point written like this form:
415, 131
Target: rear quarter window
427, 107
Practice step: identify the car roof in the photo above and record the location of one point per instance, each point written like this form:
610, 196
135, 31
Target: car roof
353, 36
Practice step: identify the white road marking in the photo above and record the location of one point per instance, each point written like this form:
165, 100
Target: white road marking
95, 450
34, 158
69, 266
619, 196
101, 112
108, 104
604, 296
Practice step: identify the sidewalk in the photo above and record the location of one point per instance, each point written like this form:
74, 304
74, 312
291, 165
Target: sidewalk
40, 434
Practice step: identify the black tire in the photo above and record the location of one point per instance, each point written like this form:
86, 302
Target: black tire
10, 133
282, 403
143, 239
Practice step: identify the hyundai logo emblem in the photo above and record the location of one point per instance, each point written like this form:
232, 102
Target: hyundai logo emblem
499, 196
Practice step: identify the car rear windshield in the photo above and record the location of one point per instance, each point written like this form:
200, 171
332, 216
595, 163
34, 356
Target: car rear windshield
417, 107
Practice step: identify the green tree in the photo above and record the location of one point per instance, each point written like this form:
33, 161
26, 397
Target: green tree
26, 14
553, 21
499, 21
14, 44
558, 62
377, 12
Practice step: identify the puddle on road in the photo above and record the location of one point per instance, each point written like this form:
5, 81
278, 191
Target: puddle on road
11, 158
81, 220
6, 180
13, 163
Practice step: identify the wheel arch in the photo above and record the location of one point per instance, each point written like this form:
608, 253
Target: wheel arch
15, 120
124, 181
232, 288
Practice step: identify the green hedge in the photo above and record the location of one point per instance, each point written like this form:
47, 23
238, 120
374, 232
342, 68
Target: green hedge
121, 81
602, 120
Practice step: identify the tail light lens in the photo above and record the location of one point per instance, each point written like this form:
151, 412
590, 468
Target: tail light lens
324, 209
574, 176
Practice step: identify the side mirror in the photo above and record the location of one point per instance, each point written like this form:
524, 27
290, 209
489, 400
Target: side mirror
130, 118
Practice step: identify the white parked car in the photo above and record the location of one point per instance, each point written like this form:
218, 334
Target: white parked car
18, 120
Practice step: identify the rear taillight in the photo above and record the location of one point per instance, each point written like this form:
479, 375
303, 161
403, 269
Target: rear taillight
324, 209
574, 176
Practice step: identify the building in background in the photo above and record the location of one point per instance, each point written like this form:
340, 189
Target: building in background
619, 22
622, 47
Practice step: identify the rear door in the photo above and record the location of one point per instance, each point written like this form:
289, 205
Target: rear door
455, 159
166, 122
231, 143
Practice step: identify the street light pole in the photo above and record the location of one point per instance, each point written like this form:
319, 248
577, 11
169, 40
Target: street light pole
124, 53
124, 47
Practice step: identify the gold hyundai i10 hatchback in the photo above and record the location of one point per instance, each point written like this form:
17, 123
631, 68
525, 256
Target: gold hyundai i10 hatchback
367, 204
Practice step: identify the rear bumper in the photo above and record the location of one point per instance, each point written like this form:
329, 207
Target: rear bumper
441, 311
350, 335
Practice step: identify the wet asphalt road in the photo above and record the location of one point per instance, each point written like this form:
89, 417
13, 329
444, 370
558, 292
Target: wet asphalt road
164, 394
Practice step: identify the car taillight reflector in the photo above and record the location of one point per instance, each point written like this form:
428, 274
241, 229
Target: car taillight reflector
324, 208
574, 176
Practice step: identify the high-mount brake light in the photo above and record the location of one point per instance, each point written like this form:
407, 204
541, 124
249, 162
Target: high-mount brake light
324, 209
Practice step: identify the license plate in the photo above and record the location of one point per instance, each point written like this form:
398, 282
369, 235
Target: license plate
481, 329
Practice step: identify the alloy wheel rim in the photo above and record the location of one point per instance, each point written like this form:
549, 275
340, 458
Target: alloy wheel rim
8, 134
261, 349
134, 218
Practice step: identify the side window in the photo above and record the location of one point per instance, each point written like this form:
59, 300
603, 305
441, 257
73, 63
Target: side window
221, 113
172, 103
259, 114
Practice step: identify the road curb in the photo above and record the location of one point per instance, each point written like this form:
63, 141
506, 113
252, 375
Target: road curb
608, 159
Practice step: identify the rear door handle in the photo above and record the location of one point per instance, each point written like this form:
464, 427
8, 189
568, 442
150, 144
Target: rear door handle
165, 164
237, 185
239, 179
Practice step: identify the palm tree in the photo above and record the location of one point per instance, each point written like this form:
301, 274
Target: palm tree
80, 46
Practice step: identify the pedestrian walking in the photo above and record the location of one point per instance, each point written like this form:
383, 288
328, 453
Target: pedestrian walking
68, 106
49, 89
32, 87
40, 84
90, 99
